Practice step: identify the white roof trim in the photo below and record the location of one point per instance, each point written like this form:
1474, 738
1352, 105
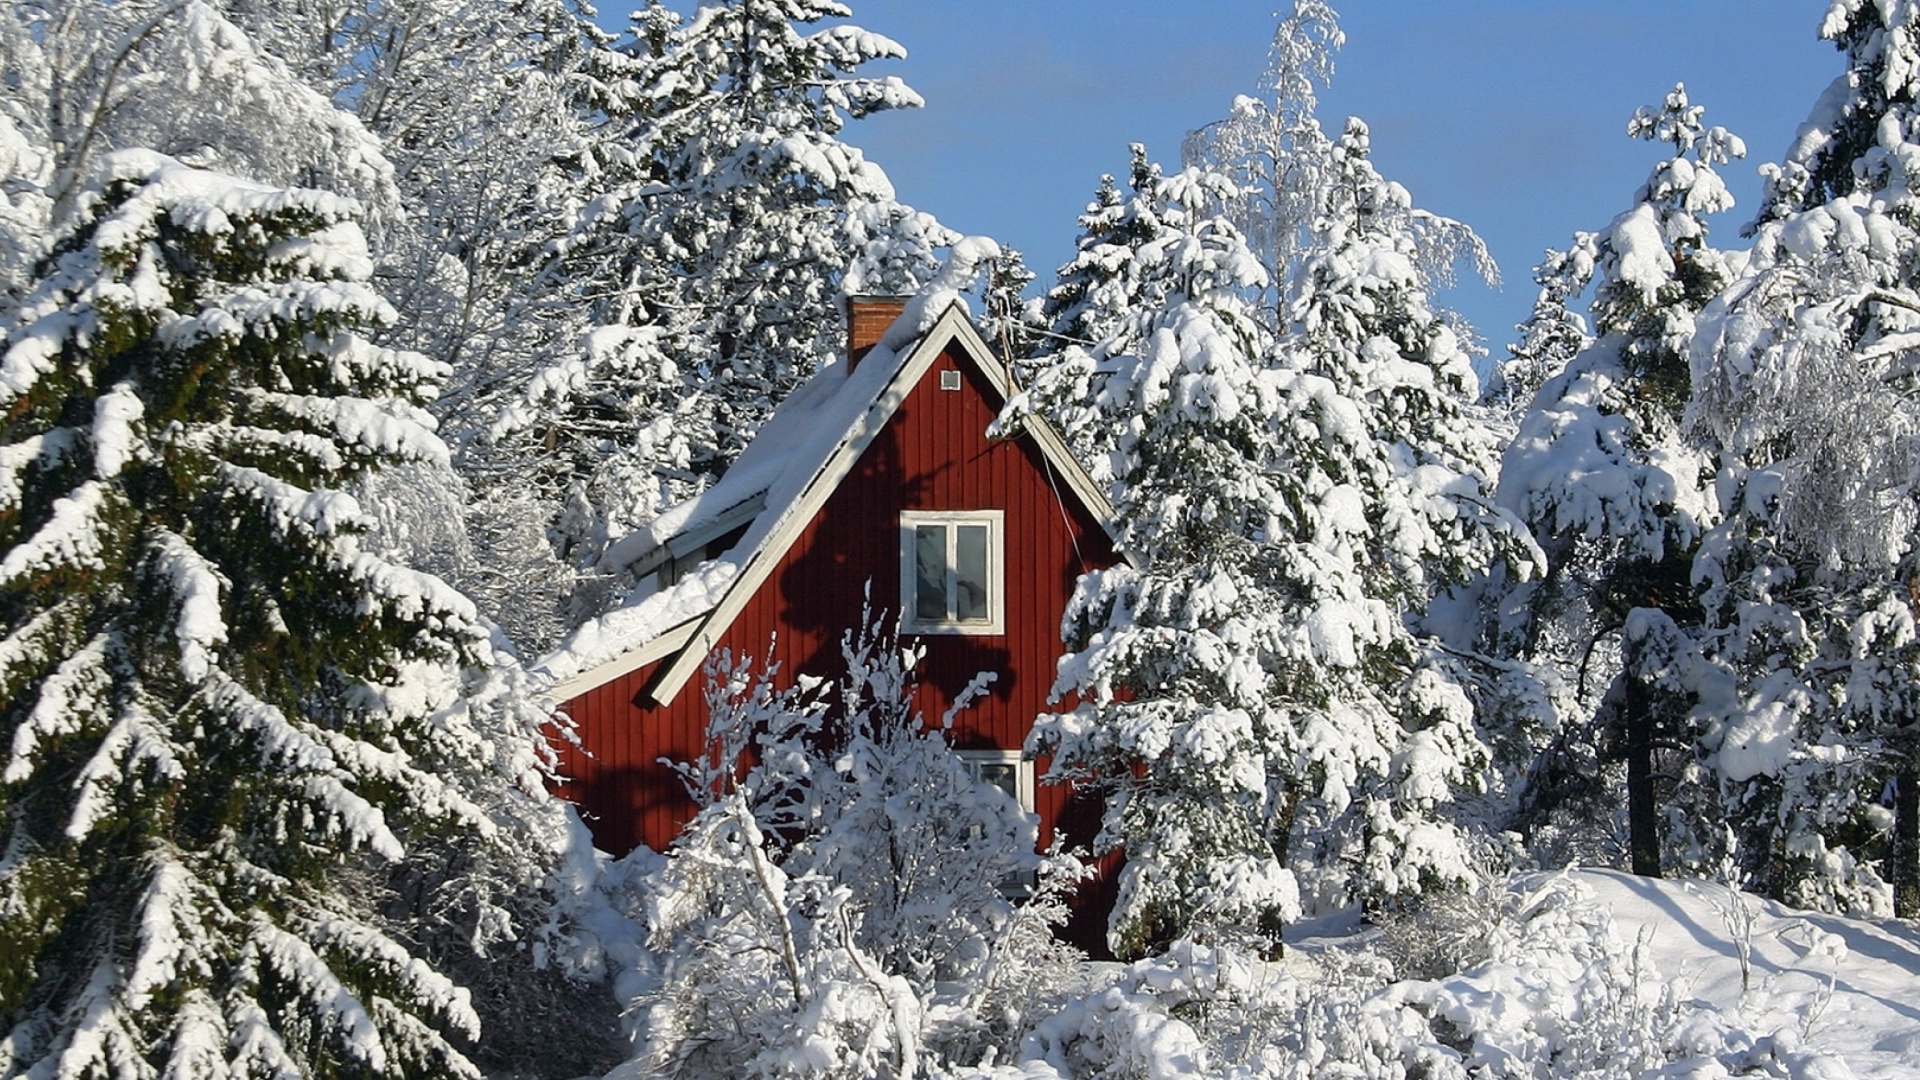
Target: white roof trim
695, 638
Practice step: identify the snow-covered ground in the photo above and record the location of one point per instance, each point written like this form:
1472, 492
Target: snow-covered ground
1579, 974
1818, 997
1846, 989
1591, 974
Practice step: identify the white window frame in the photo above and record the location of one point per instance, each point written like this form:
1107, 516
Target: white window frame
996, 620
1016, 886
1022, 771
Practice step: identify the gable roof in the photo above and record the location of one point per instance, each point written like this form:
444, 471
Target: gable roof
776, 487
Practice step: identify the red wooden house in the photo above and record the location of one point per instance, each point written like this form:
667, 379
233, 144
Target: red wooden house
876, 477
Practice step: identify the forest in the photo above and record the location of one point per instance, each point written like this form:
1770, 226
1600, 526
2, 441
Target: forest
341, 342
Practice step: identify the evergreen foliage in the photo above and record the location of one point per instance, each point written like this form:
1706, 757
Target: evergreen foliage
228, 724
1011, 322
1388, 505
1176, 727
1552, 334
498, 119
738, 221
1256, 700
1802, 380
1617, 496
1137, 255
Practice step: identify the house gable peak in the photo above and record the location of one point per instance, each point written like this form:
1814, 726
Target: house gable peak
866, 400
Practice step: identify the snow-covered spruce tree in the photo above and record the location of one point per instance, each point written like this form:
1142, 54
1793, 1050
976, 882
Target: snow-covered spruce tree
1173, 652
1103, 286
230, 731
837, 909
1616, 495
1552, 334
1386, 503
1011, 321
1803, 375
1119, 271
187, 78
743, 221
500, 120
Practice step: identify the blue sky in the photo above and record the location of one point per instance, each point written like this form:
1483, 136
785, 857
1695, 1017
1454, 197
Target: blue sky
1507, 114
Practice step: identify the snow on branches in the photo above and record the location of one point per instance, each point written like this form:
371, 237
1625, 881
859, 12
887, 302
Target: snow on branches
228, 724
849, 900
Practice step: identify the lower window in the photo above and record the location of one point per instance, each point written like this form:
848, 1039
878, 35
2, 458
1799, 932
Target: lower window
1004, 770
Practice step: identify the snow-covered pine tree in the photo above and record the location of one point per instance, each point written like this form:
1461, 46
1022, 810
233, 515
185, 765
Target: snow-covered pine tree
1553, 333
743, 219
1616, 495
188, 79
1102, 286
228, 728
1386, 502
1803, 376
1254, 693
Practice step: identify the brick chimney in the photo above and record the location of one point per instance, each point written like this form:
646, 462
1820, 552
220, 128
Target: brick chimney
867, 320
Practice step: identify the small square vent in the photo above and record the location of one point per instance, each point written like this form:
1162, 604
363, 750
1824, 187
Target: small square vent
950, 380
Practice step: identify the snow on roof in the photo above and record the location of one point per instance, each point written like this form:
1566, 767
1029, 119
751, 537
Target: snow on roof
607, 639
817, 407
784, 457
815, 419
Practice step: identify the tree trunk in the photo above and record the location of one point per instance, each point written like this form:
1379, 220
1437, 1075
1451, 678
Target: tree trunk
1904, 872
1643, 819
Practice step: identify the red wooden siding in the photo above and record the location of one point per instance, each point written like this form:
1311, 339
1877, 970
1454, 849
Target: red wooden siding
933, 455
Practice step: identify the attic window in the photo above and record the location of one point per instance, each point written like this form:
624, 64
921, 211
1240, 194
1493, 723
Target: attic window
950, 379
951, 572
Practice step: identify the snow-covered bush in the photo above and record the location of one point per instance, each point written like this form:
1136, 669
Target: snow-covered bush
841, 907
1559, 995
1439, 932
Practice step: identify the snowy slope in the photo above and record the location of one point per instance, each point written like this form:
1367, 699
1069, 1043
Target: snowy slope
1840, 987
1588, 974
